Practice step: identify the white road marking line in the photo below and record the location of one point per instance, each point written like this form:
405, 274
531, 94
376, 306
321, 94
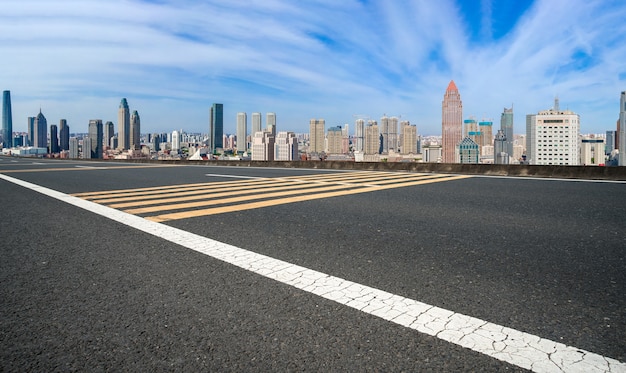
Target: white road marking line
509, 345
236, 176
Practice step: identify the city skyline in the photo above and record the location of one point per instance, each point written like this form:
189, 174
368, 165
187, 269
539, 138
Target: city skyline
311, 60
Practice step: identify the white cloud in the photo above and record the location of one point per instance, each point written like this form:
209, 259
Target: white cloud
306, 59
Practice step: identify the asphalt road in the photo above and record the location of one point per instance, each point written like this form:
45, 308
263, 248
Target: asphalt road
83, 293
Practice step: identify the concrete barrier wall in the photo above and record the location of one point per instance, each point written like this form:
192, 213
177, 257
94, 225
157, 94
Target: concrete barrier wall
566, 172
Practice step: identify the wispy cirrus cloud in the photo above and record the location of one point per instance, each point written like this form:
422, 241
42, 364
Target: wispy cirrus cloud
310, 59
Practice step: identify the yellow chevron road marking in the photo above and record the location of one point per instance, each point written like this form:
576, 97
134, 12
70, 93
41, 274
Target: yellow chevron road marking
239, 195
281, 201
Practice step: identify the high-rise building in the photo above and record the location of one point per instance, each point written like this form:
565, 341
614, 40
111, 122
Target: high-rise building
242, 132
31, 131
372, 138
40, 138
123, 125
74, 147
468, 151
95, 134
54, 139
7, 120
392, 134
359, 135
409, 138
86, 147
500, 155
622, 129
384, 133
256, 123
316, 135
156, 142
485, 127
135, 131
263, 146
216, 127
175, 141
108, 131
286, 145
334, 138
506, 125
610, 142
552, 137
64, 135
451, 122
592, 151
270, 122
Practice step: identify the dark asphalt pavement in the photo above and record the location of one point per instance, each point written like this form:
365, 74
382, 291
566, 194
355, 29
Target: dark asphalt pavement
82, 293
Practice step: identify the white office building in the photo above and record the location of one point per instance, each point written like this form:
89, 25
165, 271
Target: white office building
286, 146
552, 137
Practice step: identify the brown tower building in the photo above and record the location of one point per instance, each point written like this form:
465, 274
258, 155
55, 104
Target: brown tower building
451, 122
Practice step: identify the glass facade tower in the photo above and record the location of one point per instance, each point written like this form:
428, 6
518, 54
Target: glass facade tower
7, 120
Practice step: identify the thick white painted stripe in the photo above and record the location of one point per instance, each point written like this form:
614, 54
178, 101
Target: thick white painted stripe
519, 348
236, 176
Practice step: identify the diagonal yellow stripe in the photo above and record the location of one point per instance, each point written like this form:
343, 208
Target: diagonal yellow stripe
204, 194
300, 198
237, 199
121, 197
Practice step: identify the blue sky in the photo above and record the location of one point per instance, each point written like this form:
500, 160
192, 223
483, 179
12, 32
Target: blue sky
311, 59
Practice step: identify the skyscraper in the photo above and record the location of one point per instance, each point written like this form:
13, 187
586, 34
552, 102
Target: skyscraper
123, 125
54, 139
64, 135
500, 155
95, 134
334, 137
263, 146
216, 127
270, 122
359, 135
242, 132
135, 131
622, 129
175, 141
31, 131
372, 138
108, 131
316, 135
7, 120
409, 138
552, 137
286, 145
506, 125
40, 138
256, 123
384, 133
73, 147
451, 122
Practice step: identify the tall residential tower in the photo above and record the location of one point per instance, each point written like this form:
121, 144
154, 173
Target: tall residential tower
242, 132
622, 129
451, 122
506, 125
135, 131
123, 125
216, 127
7, 120
316, 135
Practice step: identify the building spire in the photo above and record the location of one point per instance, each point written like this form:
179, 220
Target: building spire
452, 86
